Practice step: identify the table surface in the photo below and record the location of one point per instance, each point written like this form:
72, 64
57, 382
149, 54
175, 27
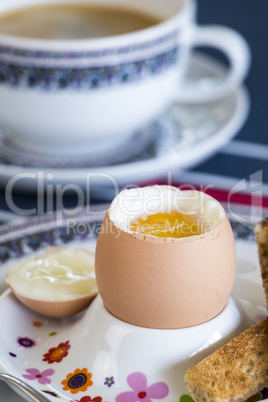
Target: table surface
250, 19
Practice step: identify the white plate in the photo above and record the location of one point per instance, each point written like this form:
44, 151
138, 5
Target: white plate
20, 240
200, 131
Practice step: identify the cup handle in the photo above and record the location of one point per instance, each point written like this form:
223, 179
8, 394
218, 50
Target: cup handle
234, 46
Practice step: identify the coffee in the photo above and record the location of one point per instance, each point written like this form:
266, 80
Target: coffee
73, 21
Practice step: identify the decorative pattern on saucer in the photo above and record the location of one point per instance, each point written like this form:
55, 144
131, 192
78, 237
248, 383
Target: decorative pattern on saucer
149, 142
87, 70
39, 232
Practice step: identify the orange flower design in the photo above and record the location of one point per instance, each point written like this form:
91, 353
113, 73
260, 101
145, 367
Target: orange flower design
57, 354
37, 324
77, 381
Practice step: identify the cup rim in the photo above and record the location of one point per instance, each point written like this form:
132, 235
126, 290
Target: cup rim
174, 22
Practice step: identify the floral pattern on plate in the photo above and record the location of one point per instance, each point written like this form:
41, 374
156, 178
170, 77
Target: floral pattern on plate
141, 391
76, 384
58, 353
78, 381
41, 376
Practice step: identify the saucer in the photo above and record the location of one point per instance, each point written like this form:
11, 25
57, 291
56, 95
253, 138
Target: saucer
129, 149
99, 342
183, 137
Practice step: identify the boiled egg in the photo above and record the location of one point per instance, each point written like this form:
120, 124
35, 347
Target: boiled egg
57, 283
165, 258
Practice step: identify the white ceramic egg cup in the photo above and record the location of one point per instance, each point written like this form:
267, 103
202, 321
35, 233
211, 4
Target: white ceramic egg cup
103, 358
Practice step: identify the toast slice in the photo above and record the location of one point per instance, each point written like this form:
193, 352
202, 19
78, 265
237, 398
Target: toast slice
234, 372
261, 236
239, 369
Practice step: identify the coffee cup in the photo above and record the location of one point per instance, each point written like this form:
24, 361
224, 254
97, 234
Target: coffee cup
63, 94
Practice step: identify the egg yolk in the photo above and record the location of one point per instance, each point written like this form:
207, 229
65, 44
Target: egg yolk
172, 224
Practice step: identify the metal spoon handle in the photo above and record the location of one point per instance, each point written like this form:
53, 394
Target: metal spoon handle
25, 388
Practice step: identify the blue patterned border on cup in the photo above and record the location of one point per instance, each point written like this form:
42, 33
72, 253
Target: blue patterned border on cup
87, 70
85, 78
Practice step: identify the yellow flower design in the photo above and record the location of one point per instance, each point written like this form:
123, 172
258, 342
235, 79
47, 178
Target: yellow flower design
77, 381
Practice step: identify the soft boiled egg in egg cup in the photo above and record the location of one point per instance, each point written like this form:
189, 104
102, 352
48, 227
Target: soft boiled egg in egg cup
165, 258
165, 266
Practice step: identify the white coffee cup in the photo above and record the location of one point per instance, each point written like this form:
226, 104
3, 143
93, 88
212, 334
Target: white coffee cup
71, 95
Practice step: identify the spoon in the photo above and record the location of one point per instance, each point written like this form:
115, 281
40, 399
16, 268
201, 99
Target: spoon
25, 388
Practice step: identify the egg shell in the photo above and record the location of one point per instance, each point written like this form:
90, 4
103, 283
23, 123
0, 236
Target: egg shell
57, 308
165, 282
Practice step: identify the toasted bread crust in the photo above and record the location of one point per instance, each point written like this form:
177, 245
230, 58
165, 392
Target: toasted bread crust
234, 372
261, 236
240, 368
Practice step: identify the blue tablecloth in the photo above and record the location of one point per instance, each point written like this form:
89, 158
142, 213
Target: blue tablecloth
250, 19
